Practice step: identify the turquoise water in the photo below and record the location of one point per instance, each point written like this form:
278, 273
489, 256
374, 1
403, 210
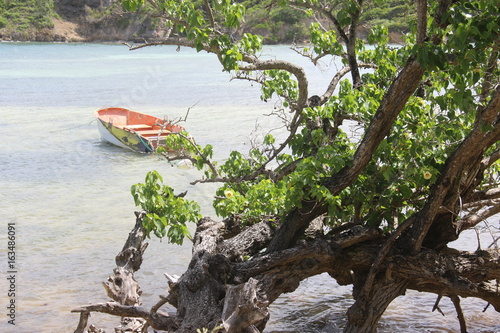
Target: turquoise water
68, 193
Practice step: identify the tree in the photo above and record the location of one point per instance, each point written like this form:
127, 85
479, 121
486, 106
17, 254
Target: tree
375, 211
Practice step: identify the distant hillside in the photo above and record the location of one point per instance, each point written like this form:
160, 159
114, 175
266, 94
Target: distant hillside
286, 25
18, 18
72, 20
104, 20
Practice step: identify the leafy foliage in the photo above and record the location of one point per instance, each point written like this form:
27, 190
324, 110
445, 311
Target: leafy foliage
166, 213
276, 178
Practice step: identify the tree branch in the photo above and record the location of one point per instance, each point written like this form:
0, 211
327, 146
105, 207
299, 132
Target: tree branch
490, 70
421, 21
460, 314
489, 194
169, 41
336, 79
248, 242
459, 163
492, 158
299, 73
474, 219
391, 105
381, 256
155, 320
351, 46
452, 273
448, 273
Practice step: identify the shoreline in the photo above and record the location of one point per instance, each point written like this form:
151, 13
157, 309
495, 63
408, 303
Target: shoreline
392, 40
71, 32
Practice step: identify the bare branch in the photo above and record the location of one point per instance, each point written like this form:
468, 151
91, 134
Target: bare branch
248, 242
436, 305
154, 319
473, 219
381, 256
163, 300
480, 204
297, 71
336, 79
452, 273
492, 158
488, 194
310, 55
84, 320
320, 251
169, 41
460, 314
210, 14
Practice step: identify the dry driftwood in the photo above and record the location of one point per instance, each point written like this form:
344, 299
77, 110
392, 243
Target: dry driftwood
122, 287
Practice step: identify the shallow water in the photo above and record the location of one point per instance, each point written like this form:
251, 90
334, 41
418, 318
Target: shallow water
68, 193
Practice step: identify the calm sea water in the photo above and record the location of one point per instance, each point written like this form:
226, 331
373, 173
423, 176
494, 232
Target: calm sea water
68, 193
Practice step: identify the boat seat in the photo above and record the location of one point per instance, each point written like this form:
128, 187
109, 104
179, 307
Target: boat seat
137, 127
153, 132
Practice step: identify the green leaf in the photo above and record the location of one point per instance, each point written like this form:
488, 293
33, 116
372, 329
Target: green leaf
132, 5
269, 139
164, 209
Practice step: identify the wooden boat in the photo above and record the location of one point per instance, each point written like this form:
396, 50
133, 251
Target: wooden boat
133, 130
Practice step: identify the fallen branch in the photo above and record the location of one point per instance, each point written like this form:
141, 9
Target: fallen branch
156, 320
122, 286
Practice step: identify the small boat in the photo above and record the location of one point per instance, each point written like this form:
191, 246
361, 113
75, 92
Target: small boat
133, 130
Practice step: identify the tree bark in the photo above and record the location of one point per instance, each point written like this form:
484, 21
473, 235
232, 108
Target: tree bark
125, 291
365, 313
222, 288
199, 294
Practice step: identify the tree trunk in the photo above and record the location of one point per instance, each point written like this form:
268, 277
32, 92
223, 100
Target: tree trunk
230, 283
364, 315
199, 294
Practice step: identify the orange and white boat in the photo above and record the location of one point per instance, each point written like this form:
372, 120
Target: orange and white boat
134, 130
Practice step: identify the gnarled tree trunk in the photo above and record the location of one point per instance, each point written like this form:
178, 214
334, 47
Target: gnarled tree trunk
222, 290
365, 313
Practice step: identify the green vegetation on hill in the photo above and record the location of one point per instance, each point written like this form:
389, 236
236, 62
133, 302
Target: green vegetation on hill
22, 15
278, 24
396, 15
286, 24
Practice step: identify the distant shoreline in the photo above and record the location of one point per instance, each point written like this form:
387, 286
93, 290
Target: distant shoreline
70, 32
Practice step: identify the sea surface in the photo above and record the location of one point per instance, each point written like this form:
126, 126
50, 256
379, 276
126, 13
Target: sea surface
67, 194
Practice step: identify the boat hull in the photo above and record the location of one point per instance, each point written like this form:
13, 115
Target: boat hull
133, 130
122, 138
